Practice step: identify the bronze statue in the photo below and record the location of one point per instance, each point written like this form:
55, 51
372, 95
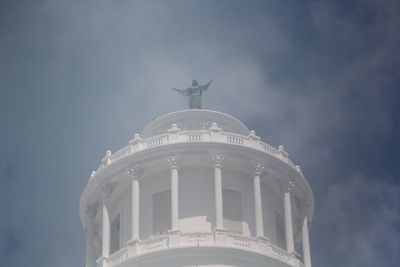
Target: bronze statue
194, 93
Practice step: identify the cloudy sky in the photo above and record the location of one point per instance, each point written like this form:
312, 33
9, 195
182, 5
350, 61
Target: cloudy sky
79, 77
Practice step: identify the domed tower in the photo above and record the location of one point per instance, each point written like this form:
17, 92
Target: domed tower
197, 188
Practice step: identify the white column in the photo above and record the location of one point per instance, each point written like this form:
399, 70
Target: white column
90, 214
173, 161
135, 175
258, 201
306, 244
135, 209
219, 213
288, 220
105, 243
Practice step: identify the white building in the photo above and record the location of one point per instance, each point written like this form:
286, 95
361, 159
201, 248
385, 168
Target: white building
197, 188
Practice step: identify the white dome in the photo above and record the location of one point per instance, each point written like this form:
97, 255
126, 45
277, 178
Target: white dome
194, 119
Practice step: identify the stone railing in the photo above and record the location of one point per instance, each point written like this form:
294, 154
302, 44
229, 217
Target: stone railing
122, 153
118, 257
197, 239
153, 244
277, 252
219, 238
177, 136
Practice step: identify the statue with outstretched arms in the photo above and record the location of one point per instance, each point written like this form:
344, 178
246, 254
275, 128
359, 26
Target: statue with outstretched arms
194, 93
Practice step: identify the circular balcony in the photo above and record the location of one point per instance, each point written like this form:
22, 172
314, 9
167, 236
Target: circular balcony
260, 251
213, 134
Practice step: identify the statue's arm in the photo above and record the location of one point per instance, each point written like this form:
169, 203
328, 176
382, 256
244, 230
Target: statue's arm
205, 87
184, 92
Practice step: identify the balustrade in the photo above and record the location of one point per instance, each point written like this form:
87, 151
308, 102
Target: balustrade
278, 253
196, 136
154, 142
150, 245
234, 139
199, 239
120, 154
239, 241
118, 257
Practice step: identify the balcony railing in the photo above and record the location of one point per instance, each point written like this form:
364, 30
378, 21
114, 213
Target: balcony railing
251, 141
199, 239
118, 257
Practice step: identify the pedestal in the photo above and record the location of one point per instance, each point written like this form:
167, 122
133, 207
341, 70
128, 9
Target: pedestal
133, 247
174, 238
220, 236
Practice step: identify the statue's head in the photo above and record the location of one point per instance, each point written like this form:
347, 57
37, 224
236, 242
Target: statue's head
194, 83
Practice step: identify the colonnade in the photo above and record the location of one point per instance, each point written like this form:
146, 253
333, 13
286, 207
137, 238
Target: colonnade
135, 175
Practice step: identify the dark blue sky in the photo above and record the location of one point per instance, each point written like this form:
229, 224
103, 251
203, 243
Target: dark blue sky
320, 77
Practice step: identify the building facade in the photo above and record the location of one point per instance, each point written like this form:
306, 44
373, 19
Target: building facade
197, 188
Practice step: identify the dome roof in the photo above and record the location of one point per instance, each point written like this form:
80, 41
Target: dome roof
194, 119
